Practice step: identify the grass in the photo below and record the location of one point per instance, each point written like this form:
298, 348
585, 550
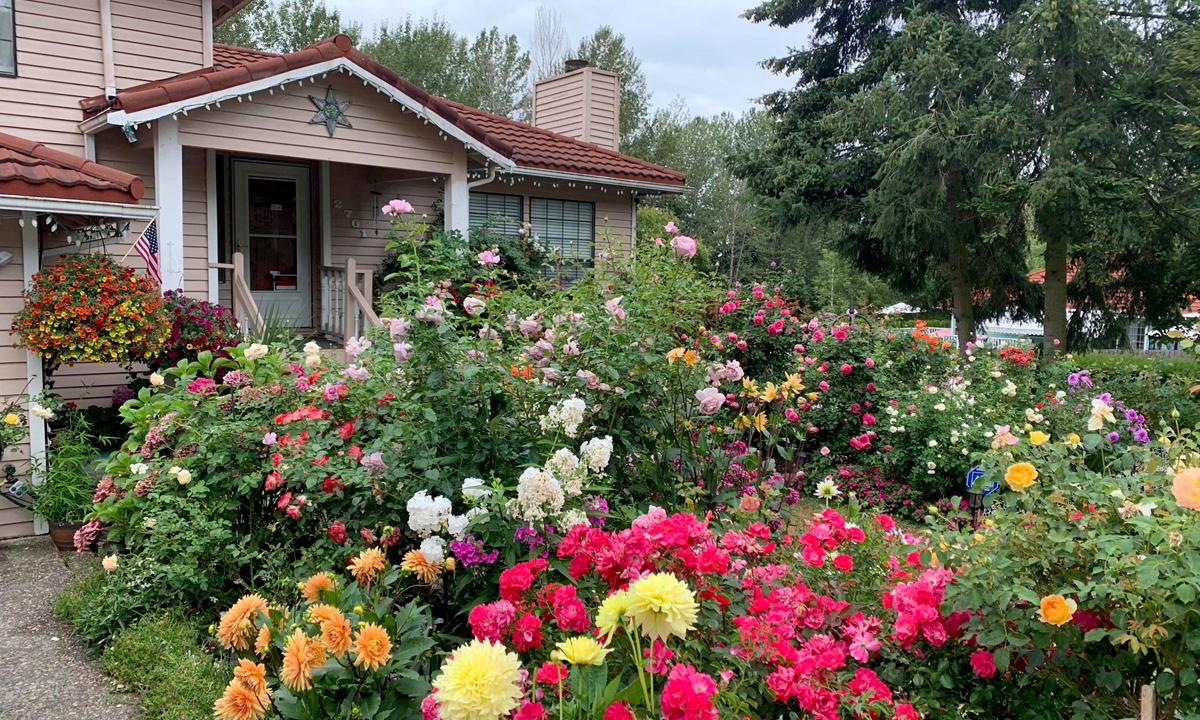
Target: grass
160, 656
162, 659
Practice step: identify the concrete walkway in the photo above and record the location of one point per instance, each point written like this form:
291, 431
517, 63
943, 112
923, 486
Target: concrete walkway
45, 674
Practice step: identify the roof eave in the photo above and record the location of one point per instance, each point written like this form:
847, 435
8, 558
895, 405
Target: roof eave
644, 185
122, 118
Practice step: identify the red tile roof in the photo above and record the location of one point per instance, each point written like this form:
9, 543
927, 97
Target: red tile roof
32, 169
534, 147
1039, 277
526, 145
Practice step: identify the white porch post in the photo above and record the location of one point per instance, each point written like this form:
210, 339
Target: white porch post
210, 195
168, 195
458, 196
326, 211
32, 258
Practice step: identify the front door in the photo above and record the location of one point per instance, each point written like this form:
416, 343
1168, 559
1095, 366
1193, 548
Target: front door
271, 221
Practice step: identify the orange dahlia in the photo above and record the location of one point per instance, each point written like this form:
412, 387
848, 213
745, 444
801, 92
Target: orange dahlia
263, 642
335, 635
254, 676
237, 622
367, 565
301, 654
414, 560
239, 703
316, 584
323, 613
372, 647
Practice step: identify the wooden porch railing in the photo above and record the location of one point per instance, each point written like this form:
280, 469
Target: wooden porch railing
346, 306
243, 305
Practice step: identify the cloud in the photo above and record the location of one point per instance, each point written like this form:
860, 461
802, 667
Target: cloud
699, 50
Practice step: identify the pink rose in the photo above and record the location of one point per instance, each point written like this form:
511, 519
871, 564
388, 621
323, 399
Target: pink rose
711, 400
671, 228
846, 368
487, 257
685, 247
398, 207
474, 306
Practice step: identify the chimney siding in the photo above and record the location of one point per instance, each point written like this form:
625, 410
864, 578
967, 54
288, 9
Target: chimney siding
584, 104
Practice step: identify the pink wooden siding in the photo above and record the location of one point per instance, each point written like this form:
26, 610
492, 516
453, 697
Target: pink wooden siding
278, 125
14, 522
155, 39
352, 186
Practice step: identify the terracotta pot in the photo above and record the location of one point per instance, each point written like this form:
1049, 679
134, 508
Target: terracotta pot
63, 534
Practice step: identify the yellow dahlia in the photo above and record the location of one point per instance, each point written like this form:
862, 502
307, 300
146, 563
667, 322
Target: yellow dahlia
239, 703
372, 647
316, 584
611, 614
478, 682
367, 565
414, 561
662, 605
237, 622
582, 650
301, 654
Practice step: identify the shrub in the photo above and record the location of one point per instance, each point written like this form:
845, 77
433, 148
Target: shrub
88, 308
196, 326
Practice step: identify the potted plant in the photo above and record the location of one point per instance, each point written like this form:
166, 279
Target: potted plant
63, 494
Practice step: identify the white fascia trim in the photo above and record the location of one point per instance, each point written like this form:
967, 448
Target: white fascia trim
599, 180
120, 118
77, 207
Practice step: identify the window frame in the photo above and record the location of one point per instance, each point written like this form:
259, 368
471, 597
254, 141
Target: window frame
15, 64
580, 264
518, 221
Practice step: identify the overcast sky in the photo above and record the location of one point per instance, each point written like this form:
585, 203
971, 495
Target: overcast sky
700, 50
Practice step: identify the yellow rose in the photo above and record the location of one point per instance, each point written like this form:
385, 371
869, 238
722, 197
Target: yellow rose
1057, 610
1037, 437
12, 419
674, 355
1073, 439
1186, 488
1020, 476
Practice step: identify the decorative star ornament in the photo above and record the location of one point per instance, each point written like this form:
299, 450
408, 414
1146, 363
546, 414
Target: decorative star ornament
330, 111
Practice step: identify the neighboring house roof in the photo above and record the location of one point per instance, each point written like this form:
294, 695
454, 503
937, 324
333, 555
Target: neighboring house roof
529, 147
536, 148
1039, 277
31, 169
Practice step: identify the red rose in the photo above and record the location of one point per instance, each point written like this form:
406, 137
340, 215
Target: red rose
845, 563
284, 500
337, 531
527, 633
345, 431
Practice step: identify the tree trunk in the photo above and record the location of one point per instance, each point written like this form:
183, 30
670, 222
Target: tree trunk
1054, 320
960, 291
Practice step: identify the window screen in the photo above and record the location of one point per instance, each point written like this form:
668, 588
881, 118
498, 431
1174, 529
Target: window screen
569, 228
8, 46
486, 206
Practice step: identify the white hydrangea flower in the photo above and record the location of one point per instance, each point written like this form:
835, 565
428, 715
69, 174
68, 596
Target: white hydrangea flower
596, 453
571, 518
427, 515
539, 494
456, 525
474, 489
434, 549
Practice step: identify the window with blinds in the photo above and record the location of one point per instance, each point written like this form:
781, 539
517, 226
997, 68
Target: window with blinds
502, 213
569, 229
8, 39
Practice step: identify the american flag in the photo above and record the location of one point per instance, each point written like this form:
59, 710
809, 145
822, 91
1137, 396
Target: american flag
147, 247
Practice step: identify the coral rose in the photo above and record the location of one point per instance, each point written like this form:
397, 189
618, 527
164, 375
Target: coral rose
1056, 610
1186, 488
1020, 476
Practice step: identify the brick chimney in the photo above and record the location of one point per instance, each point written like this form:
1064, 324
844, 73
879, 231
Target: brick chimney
583, 103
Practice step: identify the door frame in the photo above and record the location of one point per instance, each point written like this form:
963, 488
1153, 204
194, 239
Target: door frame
241, 170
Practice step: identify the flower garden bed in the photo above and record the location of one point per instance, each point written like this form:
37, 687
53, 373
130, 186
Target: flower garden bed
529, 503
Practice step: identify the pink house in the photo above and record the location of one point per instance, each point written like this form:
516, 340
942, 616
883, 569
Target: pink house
267, 173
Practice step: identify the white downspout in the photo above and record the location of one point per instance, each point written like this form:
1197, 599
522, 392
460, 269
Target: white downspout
207, 21
484, 181
106, 48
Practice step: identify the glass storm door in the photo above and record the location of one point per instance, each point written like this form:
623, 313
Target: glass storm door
271, 220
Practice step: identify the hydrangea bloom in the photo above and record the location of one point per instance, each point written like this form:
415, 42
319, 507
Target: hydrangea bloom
427, 515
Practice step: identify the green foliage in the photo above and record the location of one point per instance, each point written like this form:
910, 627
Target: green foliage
163, 659
284, 26
63, 492
1136, 620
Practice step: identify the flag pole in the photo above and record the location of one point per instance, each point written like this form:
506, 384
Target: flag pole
134, 243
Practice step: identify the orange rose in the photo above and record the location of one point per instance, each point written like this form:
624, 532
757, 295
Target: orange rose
1057, 610
1186, 488
1020, 476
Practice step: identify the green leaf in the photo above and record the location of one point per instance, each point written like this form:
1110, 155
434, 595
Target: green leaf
1109, 679
1165, 682
430, 415
1185, 592
1002, 657
1147, 575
